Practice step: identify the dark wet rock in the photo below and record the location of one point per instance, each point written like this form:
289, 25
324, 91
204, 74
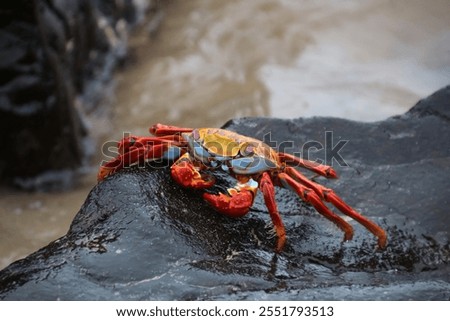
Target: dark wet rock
140, 236
56, 58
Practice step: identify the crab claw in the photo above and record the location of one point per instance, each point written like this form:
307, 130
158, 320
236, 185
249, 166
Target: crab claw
236, 204
103, 172
185, 174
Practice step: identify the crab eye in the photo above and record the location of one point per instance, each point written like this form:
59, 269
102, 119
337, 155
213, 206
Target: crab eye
247, 149
196, 134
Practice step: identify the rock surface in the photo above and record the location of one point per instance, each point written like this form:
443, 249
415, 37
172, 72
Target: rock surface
139, 236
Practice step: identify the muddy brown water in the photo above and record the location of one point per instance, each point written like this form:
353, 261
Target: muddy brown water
215, 60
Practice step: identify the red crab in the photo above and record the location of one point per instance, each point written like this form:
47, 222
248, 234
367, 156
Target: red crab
251, 162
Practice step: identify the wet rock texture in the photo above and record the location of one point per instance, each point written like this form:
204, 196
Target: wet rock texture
54, 53
139, 236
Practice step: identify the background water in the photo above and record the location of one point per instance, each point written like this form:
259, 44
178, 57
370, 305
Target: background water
215, 60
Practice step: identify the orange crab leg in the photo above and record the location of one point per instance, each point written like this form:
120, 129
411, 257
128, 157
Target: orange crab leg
160, 130
329, 195
266, 187
322, 170
308, 195
131, 142
138, 155
305, 181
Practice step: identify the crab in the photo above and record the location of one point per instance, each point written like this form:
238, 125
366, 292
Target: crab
195, 153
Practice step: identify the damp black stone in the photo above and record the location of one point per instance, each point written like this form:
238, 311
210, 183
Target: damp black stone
139, 236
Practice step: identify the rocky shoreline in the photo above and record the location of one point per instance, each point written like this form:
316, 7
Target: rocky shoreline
139, 236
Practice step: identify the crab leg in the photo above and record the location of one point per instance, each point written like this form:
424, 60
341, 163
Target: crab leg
310, 196
132, 142
322, 170
329, 195
266, 187
138, 156
160, 130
